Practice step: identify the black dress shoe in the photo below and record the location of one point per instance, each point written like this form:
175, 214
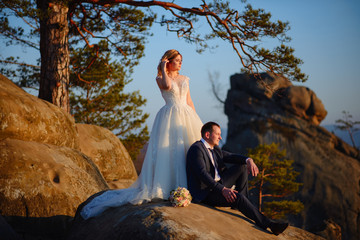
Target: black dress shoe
277, 228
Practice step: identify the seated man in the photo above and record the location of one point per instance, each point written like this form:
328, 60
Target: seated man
210, 181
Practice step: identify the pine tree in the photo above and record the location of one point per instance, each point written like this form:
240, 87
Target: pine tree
97, 97
275, 181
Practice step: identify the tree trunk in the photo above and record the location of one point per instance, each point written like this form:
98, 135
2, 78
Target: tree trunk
54, 49
261, 188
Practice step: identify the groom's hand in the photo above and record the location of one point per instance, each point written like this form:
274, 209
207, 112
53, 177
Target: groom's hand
252, 168
229, 194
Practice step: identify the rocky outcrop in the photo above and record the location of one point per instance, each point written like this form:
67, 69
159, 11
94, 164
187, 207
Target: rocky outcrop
43, 180
108, 153
47, 164
43, 173
155, 221
273, 110
26, 117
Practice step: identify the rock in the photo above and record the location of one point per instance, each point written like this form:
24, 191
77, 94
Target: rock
329, 168
26, 117
43, 174
303, 102
43, 180
247, 93
266, 87
329, 229
160, 220
108, 153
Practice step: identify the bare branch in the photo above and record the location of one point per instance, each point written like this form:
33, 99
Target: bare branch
215, 87
19, 64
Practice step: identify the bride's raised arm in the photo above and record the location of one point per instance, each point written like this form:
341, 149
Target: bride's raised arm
164, 81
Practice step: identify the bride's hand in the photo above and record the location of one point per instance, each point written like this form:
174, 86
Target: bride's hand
163, 63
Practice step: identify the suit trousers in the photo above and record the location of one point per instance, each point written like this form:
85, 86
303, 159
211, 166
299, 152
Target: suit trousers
237, 175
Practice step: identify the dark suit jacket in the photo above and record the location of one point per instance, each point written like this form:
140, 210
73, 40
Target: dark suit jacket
200, 171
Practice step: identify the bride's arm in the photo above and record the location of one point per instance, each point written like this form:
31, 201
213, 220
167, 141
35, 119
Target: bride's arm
189, 101
164, 81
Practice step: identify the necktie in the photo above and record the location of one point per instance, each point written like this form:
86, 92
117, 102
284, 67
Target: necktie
215, 166
214, 157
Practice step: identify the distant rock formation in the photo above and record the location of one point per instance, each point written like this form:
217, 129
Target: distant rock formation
162, 221
273, 110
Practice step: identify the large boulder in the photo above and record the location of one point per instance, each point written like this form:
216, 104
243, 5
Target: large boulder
43, 180
47, 165
108, 153
303, 102
329, 168
26, 117
155, 221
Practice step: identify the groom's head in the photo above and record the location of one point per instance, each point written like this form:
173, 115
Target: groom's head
211, 133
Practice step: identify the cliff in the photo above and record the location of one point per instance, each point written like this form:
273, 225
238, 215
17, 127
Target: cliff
274, 110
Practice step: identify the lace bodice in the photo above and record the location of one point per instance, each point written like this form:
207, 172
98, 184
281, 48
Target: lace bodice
177, 93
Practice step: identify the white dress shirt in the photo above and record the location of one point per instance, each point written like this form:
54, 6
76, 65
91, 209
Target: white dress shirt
207, 146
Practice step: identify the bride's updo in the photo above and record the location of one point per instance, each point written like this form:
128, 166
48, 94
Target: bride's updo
170, 55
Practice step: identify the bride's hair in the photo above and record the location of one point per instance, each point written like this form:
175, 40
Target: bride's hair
170, 55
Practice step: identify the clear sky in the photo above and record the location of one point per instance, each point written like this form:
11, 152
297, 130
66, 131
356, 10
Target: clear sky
325, 35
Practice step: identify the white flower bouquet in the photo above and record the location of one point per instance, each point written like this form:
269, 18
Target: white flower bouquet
180, 197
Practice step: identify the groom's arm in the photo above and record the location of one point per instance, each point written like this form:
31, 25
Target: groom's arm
233, 158
240, 159
196, 159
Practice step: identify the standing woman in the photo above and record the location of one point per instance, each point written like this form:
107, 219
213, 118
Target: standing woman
175, 128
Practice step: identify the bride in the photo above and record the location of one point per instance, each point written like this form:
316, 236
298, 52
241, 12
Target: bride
175, 128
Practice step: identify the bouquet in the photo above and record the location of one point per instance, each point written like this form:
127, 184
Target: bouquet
180, 197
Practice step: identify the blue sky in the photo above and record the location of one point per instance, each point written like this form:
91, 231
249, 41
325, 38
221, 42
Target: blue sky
325, 35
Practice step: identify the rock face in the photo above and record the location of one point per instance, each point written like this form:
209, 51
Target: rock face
25, 117
108, 153
47, 161
276, 111
162, 221
43, 180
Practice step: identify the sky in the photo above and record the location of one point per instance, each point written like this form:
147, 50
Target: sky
325, 35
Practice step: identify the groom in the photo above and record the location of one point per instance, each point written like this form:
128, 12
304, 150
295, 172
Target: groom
210, 181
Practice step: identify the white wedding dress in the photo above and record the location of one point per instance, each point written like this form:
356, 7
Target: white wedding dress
175, 128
